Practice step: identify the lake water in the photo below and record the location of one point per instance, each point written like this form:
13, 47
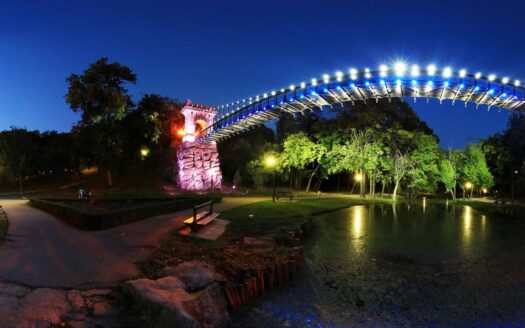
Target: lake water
391, 266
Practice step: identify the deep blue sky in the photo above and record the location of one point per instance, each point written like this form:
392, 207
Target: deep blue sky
219, 51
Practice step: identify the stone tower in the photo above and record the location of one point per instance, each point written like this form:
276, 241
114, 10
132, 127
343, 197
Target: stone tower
198, 166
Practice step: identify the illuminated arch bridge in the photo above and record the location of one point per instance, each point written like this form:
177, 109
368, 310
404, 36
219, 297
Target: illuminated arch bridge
397, 81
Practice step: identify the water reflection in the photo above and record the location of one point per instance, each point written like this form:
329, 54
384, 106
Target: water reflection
467, 225
358, 215
451, 234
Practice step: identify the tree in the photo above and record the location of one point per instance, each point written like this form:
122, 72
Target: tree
425, 157
99, 94
448, 176
474, 168
18, 155
299, 151
401, 164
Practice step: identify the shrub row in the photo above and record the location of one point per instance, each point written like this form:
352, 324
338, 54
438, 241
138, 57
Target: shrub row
86, 220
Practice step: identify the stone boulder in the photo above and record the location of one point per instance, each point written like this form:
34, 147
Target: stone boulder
195, 275
167, 304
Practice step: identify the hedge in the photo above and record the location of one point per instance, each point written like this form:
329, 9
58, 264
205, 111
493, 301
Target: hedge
86, 220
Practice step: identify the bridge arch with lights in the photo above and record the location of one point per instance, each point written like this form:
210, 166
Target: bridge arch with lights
397, 81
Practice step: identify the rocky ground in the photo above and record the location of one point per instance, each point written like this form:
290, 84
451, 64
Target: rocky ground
22, 306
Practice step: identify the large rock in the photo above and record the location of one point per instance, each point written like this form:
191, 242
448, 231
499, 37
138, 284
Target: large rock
195, 275
167, 304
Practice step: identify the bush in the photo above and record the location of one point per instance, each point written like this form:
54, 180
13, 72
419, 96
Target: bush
75, 213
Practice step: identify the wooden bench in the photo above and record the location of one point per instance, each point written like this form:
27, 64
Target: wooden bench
202, 218
287, 194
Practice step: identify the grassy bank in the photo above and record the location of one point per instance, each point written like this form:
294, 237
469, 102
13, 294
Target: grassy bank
261, 219
3, 226
269, 218
504, 211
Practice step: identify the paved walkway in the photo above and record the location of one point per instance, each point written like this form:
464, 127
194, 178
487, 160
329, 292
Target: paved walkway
42, 251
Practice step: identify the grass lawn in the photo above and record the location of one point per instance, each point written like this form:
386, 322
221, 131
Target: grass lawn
269, 218
3, 226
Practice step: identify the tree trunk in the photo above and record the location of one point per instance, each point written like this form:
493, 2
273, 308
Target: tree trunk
311, 178
453, 194
382, 188
471, 191
370, 182
109, 177
362, 186
394, 193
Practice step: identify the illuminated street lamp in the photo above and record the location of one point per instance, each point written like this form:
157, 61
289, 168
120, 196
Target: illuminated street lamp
270, 163
144, 152
468, 186
358, 177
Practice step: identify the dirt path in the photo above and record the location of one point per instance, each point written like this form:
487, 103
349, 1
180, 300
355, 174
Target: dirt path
42, 251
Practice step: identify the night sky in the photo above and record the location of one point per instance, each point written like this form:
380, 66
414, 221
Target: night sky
215, 52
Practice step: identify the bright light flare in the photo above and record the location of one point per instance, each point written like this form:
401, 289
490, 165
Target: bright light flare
431, 69
414, 71
383, 70
462, 73
270, 161
492, 77
400, 68
447, 72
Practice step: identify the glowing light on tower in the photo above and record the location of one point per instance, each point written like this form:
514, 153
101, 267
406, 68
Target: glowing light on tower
447, 72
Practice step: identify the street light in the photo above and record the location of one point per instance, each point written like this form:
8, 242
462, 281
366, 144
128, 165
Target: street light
358, 177
144, 152
270, 162
468, 185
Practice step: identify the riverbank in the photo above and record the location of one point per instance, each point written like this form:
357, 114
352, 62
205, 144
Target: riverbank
412, 265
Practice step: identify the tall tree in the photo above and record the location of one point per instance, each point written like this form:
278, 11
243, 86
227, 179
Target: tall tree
101, 97
299, 152
18, 155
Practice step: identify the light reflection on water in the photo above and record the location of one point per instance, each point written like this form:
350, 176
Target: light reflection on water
423, 231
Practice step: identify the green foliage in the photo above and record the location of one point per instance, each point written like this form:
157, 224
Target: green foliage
258, 172
299, 151
424, 172
448, 174
474, 167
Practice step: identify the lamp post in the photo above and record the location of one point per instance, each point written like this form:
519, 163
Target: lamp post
468, 185
270, 162
358, 177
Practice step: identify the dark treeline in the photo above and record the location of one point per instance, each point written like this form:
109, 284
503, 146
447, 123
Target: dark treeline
377, 148
112, 135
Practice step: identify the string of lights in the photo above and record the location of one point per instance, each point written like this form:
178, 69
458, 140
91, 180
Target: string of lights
398, 80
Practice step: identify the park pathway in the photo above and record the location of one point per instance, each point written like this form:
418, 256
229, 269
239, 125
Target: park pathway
42, 251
